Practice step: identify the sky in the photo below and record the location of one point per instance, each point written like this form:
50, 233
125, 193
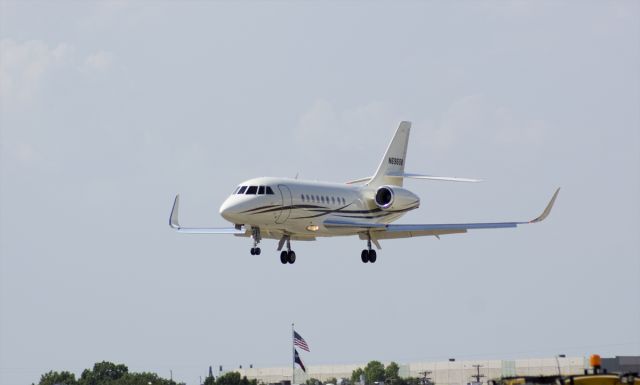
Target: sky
109, 109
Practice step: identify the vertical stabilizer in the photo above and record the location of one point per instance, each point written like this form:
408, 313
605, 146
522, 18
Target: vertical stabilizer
391, 167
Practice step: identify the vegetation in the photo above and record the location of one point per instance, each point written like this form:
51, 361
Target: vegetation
375, 371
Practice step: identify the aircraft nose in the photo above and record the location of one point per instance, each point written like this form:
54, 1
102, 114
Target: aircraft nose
230, 210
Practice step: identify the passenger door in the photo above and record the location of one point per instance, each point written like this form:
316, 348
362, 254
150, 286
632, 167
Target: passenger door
283, 214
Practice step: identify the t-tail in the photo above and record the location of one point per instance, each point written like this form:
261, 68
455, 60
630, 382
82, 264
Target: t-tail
391, 168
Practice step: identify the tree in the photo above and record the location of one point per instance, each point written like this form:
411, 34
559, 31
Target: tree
374, 372
331, 380
102, 373
355, 375
391, 372
142, 379
233, 378
210, 380
58, 378
313, 381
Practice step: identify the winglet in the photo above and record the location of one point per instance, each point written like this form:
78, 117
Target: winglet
173, 220
547, 210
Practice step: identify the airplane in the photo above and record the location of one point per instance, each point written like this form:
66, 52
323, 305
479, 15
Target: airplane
288, 209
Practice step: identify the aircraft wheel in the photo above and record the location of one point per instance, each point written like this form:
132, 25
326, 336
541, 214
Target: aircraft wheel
253, 251
372, 256
292, 256
257, 251
364, 256
283, 257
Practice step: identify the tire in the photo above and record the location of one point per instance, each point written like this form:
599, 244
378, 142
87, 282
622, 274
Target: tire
253, 251
283, 257
292, 257
257, 251
364, 256
372, 256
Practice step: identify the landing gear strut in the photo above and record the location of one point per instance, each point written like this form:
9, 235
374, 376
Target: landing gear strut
368, 254
255, 234
287, 256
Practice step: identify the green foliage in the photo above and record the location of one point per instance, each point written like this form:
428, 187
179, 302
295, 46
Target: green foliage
355, 375
58, 378
142, 379
103, 372
210, 380
313, 381
233, 378
332, 380
391, 372
374, 372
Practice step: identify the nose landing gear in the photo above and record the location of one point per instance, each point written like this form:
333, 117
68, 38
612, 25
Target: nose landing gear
255, 234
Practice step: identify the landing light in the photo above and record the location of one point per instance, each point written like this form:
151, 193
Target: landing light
313, 227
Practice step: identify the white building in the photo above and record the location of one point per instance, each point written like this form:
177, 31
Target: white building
442, 373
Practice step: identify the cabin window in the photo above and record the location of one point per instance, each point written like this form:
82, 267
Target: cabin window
261, 190
333, 200
269, 190
242, 189
302, 197
252, 190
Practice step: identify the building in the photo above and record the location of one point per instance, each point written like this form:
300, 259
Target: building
441, 373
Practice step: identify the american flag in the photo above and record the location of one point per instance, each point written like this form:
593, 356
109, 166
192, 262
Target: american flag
300, 342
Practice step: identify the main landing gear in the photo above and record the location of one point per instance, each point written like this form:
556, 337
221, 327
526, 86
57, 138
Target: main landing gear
255, 234
368, 254
288, 255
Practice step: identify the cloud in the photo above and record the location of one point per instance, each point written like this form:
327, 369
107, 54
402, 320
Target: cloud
320, 125
24, 66
477, 118
99, 61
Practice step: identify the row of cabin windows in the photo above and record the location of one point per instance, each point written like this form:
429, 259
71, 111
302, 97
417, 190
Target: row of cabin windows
254, 190
322, 199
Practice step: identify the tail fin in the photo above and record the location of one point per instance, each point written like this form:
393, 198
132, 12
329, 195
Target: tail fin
391, 168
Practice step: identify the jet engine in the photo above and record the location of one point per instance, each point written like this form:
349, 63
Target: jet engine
395, 198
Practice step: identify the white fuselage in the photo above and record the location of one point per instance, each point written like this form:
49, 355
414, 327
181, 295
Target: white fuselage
299, 208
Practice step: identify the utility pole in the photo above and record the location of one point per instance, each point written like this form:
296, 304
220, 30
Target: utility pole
426, 380
477, 376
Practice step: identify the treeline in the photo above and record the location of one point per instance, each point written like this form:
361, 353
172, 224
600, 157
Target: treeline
374, 372
108, 373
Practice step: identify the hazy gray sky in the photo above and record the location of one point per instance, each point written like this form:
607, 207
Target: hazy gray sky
108, 109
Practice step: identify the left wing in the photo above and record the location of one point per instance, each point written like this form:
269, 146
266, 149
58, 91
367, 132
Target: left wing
173, 222
390, 231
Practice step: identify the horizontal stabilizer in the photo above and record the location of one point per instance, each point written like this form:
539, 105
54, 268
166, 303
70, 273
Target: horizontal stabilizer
441, 178
419, 176
173, 222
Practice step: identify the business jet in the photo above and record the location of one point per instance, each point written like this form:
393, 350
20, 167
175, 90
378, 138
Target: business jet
297, 210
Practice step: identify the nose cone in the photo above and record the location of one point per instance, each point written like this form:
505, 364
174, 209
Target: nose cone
231, 210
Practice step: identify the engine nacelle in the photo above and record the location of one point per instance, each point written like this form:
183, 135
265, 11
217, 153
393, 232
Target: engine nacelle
395, 198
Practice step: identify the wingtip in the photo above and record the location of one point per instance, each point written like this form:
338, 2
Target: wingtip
547, 209
173, 219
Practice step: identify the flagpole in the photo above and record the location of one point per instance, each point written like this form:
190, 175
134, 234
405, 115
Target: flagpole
293, 355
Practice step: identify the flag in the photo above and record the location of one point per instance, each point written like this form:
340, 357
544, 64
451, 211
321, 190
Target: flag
299, 361
299, 341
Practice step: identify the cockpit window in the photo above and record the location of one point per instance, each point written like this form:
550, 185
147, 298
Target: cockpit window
236, 190
252, 190
269, 190
261, 190
242, 189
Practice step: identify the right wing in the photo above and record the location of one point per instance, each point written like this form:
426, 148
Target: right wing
390, 231
173, 222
